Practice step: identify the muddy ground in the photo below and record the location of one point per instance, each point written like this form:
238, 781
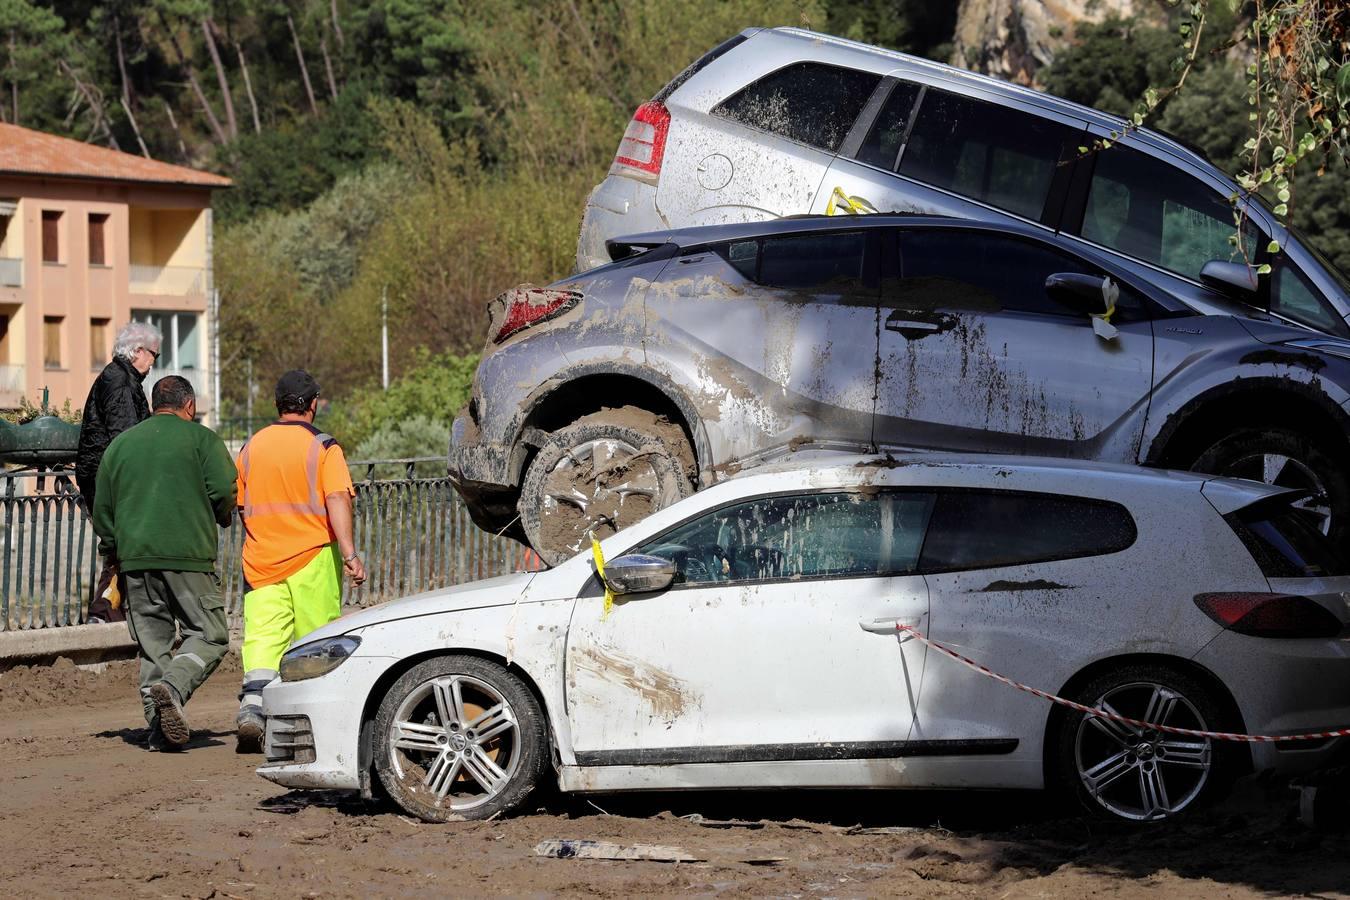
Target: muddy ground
83, 809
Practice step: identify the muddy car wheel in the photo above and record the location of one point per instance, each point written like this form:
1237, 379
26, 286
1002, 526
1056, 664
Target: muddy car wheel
1285, 459
1124, 773
598, 476
459, 737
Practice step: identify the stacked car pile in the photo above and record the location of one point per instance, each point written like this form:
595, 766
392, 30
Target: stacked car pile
823, 386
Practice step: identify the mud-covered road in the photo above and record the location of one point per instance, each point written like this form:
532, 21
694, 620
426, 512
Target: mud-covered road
84, 810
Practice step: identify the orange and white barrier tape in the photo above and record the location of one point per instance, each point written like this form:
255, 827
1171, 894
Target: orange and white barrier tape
1102, 714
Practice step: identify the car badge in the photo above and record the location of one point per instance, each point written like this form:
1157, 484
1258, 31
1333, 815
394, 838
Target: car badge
1184, 330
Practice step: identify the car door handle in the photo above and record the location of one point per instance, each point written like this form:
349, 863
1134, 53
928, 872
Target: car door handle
887, 626
907, 325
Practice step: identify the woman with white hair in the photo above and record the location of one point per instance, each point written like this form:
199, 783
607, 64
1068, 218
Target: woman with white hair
115, 403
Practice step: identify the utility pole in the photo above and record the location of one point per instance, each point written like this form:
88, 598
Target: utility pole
384, 335
248, 401
215, 355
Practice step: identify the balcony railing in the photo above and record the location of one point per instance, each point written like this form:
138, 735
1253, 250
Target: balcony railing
12, 379
172, 281
11, 272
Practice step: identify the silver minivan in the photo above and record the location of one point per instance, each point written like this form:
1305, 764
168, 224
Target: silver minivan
782, 121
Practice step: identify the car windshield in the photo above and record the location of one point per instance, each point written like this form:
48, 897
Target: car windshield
1342, 280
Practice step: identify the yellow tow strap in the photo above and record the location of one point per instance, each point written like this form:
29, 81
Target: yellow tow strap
851, 205
599, 557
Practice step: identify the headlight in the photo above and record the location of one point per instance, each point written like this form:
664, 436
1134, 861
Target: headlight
317, 658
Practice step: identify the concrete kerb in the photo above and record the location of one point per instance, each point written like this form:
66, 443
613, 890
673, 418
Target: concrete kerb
84, 645
88, 646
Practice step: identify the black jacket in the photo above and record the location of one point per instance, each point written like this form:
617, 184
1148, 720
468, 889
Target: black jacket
115, 403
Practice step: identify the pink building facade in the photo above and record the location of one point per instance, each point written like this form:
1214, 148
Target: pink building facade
90, 239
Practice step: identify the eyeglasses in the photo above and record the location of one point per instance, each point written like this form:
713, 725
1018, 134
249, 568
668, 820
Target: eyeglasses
153, 353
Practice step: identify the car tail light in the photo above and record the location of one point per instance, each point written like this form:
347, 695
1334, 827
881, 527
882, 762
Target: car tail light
1269, 615
644, 143
525, 307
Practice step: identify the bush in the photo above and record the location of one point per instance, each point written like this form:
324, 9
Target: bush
433, 390
404, 439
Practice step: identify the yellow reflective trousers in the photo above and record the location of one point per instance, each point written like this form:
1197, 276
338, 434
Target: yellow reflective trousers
279, 614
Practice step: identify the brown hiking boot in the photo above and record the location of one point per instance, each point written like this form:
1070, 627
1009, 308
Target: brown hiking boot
172, 722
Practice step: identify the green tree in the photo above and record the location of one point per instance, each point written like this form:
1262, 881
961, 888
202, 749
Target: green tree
33, 44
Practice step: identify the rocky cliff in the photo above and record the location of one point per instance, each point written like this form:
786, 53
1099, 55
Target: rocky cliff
1014, 39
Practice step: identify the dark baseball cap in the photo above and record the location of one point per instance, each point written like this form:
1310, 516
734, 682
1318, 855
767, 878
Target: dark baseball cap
297, 385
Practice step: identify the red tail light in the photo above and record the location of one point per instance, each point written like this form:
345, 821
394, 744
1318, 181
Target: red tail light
644, 143
1269, 615
525, 307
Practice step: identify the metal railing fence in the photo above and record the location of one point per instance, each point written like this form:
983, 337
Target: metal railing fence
174, 281
413, 533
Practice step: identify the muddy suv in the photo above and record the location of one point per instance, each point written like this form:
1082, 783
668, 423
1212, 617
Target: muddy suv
781, 121
616, 392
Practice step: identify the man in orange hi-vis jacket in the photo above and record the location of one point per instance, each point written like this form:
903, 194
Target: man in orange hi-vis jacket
295, 499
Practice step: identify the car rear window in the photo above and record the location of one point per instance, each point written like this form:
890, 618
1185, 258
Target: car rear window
1286, 541
810, 103
1000, 156
991, 529
829, 264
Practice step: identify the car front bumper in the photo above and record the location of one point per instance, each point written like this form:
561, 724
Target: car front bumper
333, 705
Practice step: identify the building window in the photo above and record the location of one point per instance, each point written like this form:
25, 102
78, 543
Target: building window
98, 226
4, 339
51, 236
51, 341
181, 348
98, 342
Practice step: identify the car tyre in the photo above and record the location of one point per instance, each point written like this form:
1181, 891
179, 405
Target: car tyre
459, 737
599, 475
1121, 773
1282, 457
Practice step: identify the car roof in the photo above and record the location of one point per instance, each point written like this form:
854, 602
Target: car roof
918, 66
996, 470
693, 236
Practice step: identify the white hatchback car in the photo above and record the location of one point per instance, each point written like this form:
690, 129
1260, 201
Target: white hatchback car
753, 643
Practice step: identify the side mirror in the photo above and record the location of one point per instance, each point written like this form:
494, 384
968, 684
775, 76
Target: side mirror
1078, 292
1237, 280
639, 574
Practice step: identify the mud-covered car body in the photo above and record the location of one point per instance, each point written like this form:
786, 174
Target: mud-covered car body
782, 121
884, 331
773, 658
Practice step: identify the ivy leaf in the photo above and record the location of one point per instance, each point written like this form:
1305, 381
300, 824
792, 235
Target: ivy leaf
1273, 247
1282, 209
1263, 269
1082, 150
1343, 84
1283, 195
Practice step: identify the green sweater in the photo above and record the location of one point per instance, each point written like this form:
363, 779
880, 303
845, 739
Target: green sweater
162, 487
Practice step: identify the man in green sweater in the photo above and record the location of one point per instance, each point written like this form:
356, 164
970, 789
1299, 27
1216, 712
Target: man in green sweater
162, 488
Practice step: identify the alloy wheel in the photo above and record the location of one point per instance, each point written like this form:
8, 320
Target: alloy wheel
1285, 471
456, 738
1143, 774
600, 486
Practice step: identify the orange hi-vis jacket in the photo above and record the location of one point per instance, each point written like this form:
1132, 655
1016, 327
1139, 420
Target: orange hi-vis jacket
285, 473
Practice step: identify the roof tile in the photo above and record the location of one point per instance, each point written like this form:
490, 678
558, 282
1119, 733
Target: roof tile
24, 151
